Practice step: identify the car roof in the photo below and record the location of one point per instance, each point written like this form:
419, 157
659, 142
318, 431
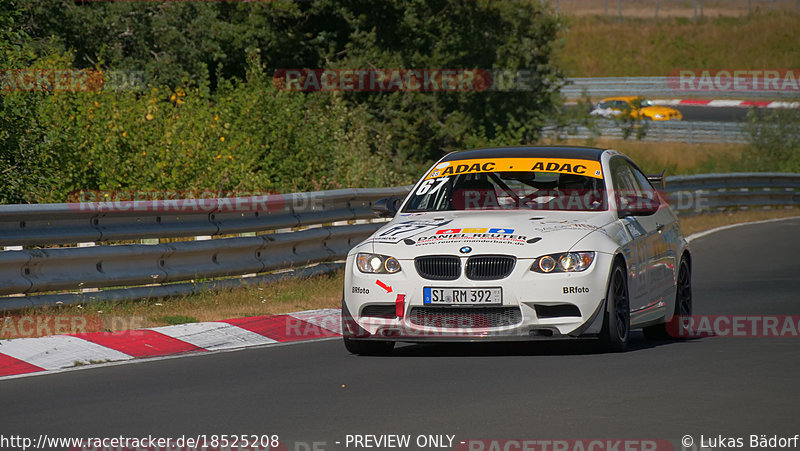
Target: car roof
623, 98
572, 152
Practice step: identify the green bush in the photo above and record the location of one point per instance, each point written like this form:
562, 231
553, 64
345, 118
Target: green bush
246, 136
774, 140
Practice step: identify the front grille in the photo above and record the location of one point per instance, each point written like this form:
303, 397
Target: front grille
379, 311
438, 267
490, 267
465, 317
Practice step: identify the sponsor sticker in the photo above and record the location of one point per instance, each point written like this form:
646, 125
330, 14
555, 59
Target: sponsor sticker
406, 229
473, 235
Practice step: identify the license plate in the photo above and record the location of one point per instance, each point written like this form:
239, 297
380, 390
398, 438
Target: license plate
462, 296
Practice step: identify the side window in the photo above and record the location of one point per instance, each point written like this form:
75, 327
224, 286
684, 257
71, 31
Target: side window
644, 186
630, 185
630, 182
624, 181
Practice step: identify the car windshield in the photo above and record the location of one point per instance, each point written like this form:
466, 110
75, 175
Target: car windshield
571, 185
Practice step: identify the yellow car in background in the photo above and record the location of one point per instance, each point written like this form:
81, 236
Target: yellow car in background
635, 107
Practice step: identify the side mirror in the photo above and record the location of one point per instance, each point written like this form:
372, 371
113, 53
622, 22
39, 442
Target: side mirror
637, 206
657, 180
386, 207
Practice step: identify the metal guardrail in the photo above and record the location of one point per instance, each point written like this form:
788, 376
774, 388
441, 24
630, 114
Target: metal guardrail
599, 87
153, 269
134, 271
684, 131
702, 193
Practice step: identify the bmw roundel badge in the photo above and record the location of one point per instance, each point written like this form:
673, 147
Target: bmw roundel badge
465, 250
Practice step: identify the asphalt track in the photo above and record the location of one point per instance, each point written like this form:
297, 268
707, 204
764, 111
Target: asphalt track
713, 114
318, 392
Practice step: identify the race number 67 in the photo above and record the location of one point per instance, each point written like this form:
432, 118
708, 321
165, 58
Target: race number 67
425, 187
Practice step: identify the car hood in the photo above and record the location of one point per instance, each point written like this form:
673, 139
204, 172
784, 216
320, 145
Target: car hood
525, 234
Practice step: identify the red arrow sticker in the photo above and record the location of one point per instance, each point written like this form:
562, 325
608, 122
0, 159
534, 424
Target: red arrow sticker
388, 288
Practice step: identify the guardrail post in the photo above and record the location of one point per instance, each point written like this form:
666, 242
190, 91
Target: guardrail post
88, 290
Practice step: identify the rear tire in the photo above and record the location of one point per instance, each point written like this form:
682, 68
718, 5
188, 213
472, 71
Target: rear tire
373, 348
617, 323
683, 305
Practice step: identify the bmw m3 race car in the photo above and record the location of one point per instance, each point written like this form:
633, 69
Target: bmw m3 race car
519, 243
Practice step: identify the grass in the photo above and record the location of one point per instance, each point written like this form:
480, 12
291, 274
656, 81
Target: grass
596, 46
676, 158
285, 296
671, 8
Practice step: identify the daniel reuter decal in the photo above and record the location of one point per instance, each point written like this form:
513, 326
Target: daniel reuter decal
473, 235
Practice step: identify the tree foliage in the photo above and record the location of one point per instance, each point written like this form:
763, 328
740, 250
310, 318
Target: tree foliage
220, 56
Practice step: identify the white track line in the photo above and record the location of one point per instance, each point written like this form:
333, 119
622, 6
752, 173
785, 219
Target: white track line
697, 235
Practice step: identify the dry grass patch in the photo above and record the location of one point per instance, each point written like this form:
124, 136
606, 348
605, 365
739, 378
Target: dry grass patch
290, 295
671, 8
603, 47
674, 157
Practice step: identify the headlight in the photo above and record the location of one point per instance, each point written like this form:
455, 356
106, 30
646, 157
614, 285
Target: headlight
566, 262
377, 264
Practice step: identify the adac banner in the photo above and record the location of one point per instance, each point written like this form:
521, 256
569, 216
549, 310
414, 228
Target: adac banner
586, 168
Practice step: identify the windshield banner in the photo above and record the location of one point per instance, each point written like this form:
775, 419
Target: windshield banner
586, 168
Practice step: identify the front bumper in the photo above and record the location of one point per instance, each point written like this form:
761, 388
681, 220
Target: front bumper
534, 306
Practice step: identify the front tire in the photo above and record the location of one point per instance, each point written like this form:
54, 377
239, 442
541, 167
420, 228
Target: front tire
617, 323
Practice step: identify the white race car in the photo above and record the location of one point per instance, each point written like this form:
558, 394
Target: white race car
519, 243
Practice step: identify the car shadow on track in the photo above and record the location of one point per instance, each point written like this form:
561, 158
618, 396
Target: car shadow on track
522, 348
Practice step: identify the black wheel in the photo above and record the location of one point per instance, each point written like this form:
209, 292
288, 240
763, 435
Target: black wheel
683, 306
617, 323
363, 347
